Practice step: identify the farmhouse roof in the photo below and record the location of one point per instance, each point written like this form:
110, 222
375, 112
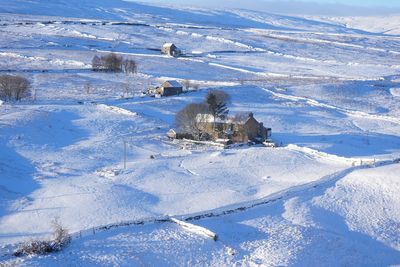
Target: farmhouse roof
209, 118
204, 117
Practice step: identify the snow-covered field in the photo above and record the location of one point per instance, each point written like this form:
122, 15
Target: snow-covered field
327, 196
332, 224
379, 24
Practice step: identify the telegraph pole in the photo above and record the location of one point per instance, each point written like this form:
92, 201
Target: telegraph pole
124, 154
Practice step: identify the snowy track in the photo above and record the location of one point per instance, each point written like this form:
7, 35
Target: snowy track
347, 112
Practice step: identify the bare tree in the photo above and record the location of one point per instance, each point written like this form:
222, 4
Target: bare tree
129, 66
127, 88
186, 84
34, 93
113, 63
88, 88
14, 87
186, 119
97, 64
61, 236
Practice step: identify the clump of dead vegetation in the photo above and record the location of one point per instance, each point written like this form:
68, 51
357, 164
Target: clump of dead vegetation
61, 238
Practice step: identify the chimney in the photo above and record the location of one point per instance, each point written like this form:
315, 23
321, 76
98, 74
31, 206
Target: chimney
251, 115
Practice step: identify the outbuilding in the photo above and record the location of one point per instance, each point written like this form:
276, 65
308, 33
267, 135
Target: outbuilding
169, 88
171, 50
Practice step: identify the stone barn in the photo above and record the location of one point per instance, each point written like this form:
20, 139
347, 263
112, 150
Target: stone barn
169, 88
171, 50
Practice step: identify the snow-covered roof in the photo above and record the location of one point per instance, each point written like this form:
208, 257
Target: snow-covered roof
168, 44
209, 118
204, 118
171, 83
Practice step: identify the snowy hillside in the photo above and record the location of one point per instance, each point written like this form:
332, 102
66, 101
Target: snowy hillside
326, 196
380, 24
338, 223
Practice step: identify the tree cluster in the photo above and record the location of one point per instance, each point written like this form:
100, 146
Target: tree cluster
215, 104
113, 63
14, 87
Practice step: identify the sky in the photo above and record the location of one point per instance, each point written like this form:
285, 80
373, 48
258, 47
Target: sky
370, 3
299, 7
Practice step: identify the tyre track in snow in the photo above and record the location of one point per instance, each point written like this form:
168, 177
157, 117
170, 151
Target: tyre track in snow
347, 112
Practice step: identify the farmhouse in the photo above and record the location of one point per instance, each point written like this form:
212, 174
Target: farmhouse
227, 131
171, 50
237, 131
